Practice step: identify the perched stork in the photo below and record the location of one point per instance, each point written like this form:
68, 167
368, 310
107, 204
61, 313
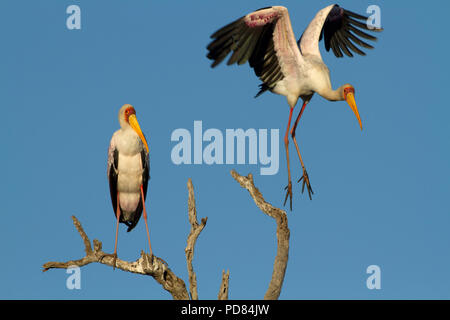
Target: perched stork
128, 172
293, 69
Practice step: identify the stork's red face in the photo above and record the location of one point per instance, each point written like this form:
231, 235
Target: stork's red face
349, 96
130, 118
128, 112
347, 90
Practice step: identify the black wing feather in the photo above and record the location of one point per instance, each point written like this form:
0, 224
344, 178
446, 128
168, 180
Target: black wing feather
146, 174
254, 45
343, 44
341, 31
359, 42
113, 180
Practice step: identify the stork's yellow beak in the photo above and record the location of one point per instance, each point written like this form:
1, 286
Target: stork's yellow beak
351, 102
132, 120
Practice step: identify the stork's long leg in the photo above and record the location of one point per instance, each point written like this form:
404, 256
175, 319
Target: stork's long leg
117, 230
286, 144
145, 218
305, 174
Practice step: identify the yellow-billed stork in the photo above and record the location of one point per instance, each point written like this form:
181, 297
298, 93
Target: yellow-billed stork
293, 68
128, 172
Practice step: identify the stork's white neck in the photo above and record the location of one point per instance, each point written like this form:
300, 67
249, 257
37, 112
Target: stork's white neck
332, 95
123, 124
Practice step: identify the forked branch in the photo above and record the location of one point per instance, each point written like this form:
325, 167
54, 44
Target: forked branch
159, 270
281, 259
145, 265
192, 239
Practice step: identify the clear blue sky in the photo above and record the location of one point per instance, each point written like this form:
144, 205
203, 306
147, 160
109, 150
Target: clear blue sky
381, 195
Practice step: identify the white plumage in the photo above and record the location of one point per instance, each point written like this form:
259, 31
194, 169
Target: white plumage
128, 171
130, 168
291, 68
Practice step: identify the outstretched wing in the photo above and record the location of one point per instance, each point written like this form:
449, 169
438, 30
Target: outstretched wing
265, 39
342, 31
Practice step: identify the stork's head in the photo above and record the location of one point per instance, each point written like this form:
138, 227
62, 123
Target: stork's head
127, 119
348, 94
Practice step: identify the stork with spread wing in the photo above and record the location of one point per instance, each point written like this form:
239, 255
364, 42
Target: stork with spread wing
293, 69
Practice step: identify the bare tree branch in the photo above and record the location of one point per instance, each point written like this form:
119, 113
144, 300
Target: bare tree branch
159, 270
281, 259
145, 265
87, 243
192, 239
223, 291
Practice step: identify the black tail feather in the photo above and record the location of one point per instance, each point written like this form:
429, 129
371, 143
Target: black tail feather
262, 88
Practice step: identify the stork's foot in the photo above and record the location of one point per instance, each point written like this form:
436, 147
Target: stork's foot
306, 182
113, 255
288, 194
151, 256
114, 261
162, 260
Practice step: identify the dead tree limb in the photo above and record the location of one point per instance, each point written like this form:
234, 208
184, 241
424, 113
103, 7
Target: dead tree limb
281, 259
192, 239
223, 291
159, 270
145, 265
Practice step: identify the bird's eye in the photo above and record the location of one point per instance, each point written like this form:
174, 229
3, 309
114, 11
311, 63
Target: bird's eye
348, 90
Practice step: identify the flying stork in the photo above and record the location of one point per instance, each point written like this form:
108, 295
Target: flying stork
128, 172
293, 68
